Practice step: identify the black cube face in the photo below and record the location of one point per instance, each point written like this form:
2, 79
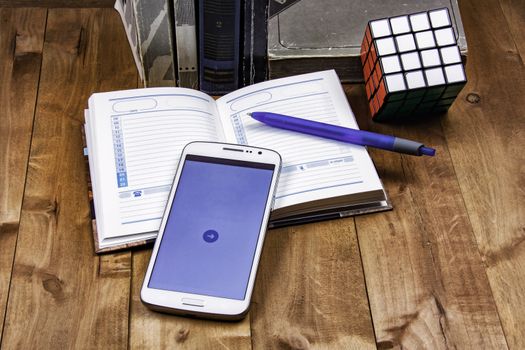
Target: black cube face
451, 90
412, 65
433, 93
427, 106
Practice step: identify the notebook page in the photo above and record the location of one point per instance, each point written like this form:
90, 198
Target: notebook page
313, 167
108, 242
137, 137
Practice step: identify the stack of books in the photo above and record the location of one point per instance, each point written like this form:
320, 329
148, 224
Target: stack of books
216, 46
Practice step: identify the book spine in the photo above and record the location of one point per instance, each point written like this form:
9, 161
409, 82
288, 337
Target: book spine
153, 23
247, 35
259, 41
253, 63
186, 43
219, 45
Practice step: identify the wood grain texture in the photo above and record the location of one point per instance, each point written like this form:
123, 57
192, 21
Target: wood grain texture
310, 290
426, 281
62, 296
57, 3
486, 137
514, 12
153, 330
21, 41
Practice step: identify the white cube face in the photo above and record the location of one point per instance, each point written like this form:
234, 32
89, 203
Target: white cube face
418, 51
455, 73
440, 18
410, 61
390, 64
380, 28
450, 54
385, 46
435, 76
430, 58
419, 22
445, 36
405, 43
395, 82
415, 79
425, 40
400, 25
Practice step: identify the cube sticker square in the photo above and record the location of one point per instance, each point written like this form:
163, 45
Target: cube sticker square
435, 76
445, 36
439, 18
450, 54
430, 58
419, 21
380, 28
415, 79
405, 43
425, 40
410, 61
455, 73
385, 46
390, 64
395, 82
400, 25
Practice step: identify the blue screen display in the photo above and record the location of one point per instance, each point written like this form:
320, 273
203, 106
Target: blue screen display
213, 226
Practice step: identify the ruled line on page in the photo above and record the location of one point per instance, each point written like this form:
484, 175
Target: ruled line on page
151, 148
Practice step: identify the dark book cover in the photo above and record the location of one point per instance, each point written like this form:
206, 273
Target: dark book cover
219, 45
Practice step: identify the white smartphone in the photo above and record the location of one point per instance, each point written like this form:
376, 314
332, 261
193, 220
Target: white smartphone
205, 258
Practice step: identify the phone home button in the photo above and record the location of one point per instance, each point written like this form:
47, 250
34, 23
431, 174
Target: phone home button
193, 302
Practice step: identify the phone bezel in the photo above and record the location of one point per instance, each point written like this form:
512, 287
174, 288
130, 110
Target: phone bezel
214, 307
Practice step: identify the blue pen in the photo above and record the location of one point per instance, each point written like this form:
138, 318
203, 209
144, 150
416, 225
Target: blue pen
334, 132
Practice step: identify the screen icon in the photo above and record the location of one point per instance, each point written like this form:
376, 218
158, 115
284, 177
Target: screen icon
210, 236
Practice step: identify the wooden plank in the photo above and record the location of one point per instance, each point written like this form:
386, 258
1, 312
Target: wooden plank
21, 41
426, 281
310, 291
62, 295
153, 330
57, 3
486, 137
514, 11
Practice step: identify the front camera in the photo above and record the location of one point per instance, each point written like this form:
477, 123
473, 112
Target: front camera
260, 152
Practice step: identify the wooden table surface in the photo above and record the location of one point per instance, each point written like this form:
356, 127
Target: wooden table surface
444, 269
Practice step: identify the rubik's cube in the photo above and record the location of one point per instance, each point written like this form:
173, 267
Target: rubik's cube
412, 65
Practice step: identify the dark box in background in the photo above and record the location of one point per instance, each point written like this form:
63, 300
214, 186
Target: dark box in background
311, 35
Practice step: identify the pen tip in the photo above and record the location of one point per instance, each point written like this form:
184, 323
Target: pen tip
427, 151
250, 114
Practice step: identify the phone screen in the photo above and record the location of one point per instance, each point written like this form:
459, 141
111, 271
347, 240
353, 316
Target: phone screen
213, 227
